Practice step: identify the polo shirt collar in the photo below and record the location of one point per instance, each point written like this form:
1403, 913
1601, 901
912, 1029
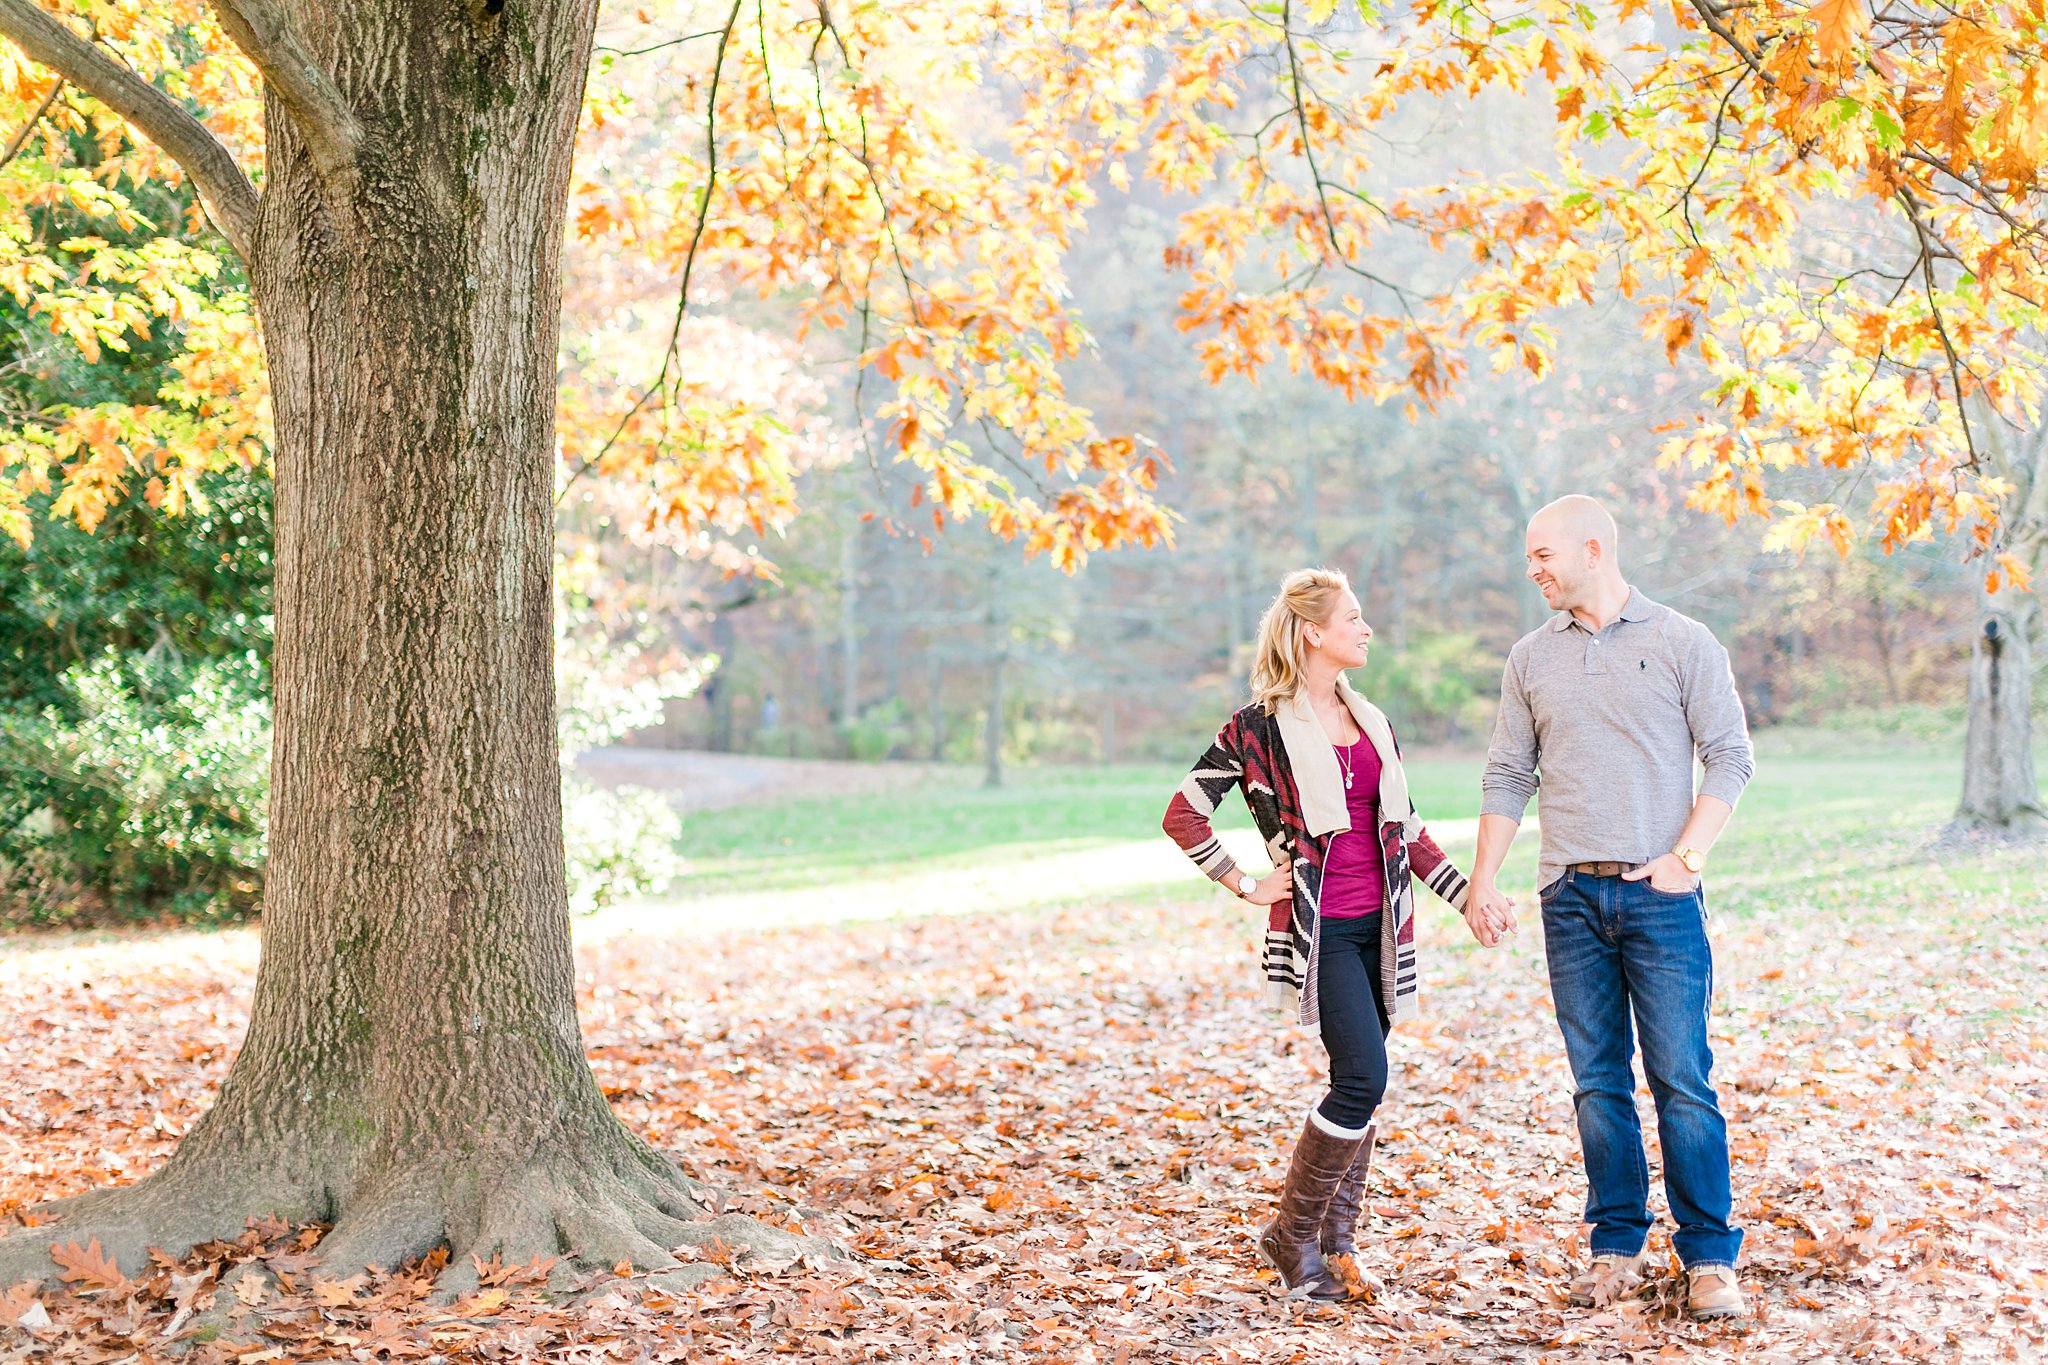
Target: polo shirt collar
1637, 608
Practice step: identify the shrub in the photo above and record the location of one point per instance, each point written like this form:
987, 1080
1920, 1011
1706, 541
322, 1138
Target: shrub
1436, 688
881, 732
136, 787
142, 796
609, 682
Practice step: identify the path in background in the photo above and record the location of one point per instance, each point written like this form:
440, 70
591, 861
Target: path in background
1012, 879
772, 840
696, 780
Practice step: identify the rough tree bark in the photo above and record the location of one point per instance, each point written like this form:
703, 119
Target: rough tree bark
2000, 788
414, 1070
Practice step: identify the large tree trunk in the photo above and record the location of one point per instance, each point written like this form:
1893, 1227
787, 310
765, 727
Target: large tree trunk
414, 1069
2000, 788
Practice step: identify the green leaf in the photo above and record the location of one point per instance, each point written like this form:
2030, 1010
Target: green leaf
1889, 133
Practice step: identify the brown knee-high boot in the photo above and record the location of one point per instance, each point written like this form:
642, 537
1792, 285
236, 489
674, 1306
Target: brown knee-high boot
1291, 1243
1340, 1220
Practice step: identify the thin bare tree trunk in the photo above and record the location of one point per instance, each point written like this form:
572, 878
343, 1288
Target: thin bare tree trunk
849, 630
992, 724
718, 688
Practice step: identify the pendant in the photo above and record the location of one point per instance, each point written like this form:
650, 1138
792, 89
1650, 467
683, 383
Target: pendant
1347, 782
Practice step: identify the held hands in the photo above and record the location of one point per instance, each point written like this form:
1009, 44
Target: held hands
1275, 886
1488, 914
1667, 873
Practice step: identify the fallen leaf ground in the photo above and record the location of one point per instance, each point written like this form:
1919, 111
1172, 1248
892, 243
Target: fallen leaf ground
1049, 1134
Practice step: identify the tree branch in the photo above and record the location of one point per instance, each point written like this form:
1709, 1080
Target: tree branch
14, 145
1931, 246
670, 356
1715, 17
1296, 87
226, 192
263, 30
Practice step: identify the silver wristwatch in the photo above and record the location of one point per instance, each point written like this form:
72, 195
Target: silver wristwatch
1246, 884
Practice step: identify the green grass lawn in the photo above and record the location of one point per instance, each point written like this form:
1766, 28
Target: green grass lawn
1814, 815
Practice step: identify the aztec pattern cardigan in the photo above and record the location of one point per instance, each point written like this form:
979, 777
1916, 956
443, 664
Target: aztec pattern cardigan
1288, 771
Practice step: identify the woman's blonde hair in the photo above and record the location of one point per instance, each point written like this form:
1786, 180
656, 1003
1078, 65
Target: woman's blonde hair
1280, 664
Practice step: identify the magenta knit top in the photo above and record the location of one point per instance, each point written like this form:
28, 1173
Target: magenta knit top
1354, 876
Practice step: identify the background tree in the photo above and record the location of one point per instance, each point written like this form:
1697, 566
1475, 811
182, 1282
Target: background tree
2000, 789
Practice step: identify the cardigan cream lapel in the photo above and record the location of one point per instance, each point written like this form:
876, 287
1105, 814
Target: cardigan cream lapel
1314, 762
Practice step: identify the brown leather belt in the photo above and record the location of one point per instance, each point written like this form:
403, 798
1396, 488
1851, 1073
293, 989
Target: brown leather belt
1603, 869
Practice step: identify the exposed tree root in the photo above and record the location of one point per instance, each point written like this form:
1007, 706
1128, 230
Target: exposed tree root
628, 1206
172, 1212
758, 1242
1967, 837
391, 1222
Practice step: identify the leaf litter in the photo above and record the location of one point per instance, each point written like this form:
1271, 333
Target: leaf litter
1050, 1136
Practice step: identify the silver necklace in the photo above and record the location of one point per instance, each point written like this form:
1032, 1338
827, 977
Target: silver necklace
1345, 763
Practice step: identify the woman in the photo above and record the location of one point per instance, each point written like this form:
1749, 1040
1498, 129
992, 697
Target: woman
1323, 778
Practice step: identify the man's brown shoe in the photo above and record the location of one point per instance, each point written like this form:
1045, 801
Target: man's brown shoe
1711, 1292
1609, 1277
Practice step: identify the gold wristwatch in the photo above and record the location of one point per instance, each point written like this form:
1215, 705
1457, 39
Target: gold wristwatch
1693, 859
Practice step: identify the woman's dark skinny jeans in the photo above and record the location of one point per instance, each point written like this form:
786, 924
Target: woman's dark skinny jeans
1353, 1019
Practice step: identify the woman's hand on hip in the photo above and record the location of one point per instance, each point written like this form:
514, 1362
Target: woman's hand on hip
1275, 886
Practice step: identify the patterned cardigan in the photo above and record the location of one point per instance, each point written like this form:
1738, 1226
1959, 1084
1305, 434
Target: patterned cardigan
1288, 771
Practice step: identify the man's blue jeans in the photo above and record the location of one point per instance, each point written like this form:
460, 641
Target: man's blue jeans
1616, 949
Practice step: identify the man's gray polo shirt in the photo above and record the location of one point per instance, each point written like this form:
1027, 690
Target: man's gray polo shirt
1612, 721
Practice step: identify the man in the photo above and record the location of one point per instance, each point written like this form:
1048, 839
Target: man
1609, 701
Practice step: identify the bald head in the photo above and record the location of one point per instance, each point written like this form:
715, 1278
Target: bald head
1576, 519
1573, 553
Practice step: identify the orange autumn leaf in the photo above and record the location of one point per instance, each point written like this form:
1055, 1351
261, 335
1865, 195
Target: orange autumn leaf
88, 1268
1837, 26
